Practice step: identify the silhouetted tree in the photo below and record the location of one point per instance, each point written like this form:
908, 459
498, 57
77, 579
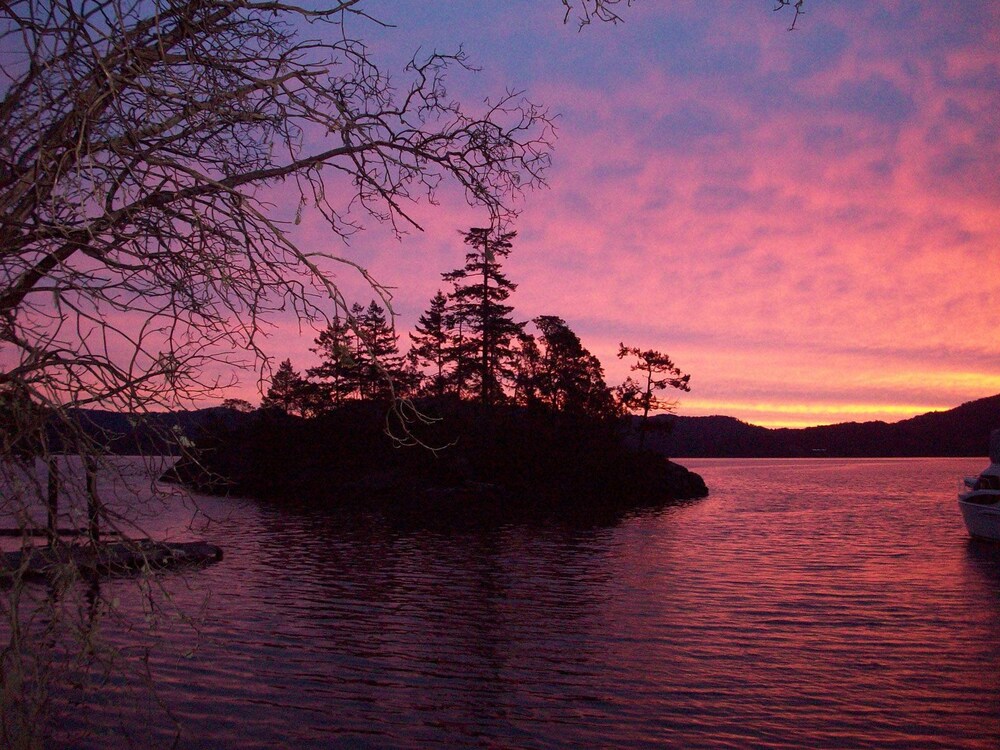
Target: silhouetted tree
527, 371
410, 380
485, 328
430, 345
140, 143
463, 353
292, 393
570, 378
239, 404
337, 373
657, 373
380, 364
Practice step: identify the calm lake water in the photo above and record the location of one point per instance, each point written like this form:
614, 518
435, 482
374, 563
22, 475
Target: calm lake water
805, 603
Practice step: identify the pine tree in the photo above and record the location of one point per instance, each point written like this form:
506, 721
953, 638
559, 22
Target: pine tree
337, 371
570, 378
658, 372
483, 351
527, 368
430, 345
463, 354
380, 364
290, 392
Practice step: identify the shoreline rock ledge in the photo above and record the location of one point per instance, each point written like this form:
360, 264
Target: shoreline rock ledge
106, 558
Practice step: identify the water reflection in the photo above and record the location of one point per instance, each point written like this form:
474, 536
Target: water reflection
803, 604
448, 615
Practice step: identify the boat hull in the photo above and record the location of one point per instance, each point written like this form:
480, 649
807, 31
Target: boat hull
981, 514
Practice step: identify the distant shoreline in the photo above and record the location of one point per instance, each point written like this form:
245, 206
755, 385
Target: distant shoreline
685, 460
960, 432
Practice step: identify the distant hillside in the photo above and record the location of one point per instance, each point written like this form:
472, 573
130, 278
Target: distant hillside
153, 433
962, 431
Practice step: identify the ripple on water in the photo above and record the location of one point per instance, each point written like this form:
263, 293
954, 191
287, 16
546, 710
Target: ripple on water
812, 603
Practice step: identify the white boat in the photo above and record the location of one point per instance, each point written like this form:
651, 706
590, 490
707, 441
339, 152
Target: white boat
980, 498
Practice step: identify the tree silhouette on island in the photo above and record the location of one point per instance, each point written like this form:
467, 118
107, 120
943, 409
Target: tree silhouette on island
657, 373
467, 345
143, 255
519, 407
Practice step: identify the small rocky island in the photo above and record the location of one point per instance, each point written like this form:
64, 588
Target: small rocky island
484, 413
454, 457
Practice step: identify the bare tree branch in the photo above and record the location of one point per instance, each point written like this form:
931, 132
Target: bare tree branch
144, 142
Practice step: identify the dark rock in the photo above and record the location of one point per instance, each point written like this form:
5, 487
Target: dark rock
106, 558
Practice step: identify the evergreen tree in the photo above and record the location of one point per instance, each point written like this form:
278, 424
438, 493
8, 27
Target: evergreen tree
570, 378
337, 371
483, 352
380, 364
290, 392
658, 372
355, 318
527, 369
430, 346
410, 380
463, 353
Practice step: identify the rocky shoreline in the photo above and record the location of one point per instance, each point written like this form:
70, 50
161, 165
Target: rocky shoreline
516, 463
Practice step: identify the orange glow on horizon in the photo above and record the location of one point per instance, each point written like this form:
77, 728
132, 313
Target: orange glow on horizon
806, 223
793, 415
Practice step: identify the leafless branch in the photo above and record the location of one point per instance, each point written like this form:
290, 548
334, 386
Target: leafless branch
797, 5
143, 148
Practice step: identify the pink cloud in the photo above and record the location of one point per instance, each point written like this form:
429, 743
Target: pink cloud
816, 226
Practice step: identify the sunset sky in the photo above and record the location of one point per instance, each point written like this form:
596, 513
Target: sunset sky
805, 221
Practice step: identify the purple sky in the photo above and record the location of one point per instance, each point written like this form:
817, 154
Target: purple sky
806, 222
